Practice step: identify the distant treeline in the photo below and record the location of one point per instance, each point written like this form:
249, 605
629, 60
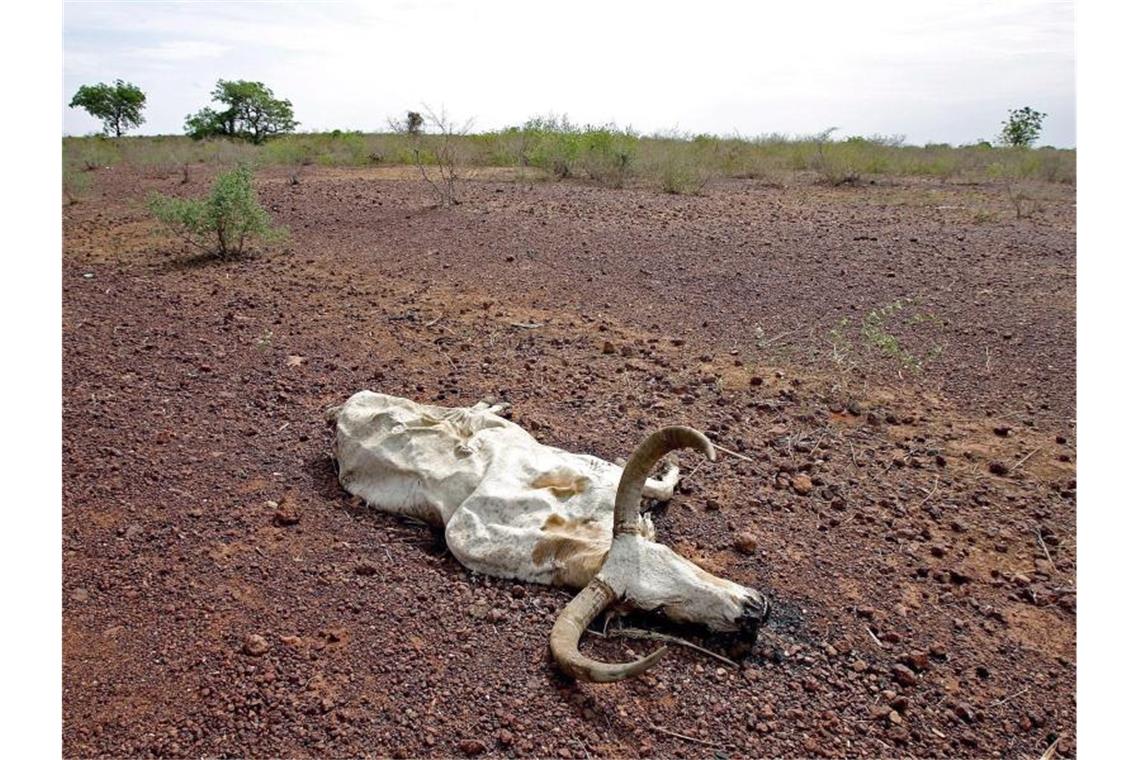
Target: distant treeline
556, 148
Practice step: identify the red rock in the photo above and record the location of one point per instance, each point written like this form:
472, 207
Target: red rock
255, 645
472, 747
802, 484
904, 675
745, 543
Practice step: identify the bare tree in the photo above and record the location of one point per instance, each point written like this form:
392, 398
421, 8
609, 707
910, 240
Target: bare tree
439, 154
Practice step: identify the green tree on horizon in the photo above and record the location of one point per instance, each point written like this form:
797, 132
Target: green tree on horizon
252, 113
119, 106
1022, 128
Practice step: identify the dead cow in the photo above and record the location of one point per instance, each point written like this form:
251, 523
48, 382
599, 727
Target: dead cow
514, 508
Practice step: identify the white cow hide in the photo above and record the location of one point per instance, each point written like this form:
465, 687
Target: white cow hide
514, 508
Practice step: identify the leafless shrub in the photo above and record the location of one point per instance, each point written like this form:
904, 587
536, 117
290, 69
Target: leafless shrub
440, 153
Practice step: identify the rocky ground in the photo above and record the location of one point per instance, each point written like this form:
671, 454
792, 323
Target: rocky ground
896, 361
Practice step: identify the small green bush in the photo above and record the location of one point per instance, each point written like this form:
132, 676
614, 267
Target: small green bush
607, 155
223, 222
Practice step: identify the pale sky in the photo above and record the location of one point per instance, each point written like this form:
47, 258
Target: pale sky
946, 71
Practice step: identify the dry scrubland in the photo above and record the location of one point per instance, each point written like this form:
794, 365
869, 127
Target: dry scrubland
893, 353
605, 156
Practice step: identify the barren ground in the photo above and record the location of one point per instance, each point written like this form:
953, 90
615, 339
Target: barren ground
909, 345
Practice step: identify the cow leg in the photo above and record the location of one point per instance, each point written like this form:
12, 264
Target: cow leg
487, 406
661, 489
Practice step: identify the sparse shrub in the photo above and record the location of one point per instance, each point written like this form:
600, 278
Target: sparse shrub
293, 153
223, 222
606, 155
675, 167
552, 144
672, 162
440, 156
91, 153
1025, 203
413, 123
831, 163
75, 184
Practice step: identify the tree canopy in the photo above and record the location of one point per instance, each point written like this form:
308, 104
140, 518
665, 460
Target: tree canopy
251, 112
119, 106
1022, 128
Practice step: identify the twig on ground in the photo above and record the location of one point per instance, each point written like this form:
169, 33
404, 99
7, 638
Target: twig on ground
730, 452
874, 638
1010, 698
1052, 750
1044, 548
693, 739
528, 325
638, 633
770, 341
930, 494
1022, 460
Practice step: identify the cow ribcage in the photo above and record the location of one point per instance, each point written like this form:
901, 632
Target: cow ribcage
511, 507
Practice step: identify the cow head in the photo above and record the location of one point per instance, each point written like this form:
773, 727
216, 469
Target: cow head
641, 573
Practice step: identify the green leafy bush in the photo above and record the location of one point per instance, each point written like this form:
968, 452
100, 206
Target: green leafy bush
223, 222
607, 155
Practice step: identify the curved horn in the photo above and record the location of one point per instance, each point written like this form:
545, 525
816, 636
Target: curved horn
627, 505
572, 621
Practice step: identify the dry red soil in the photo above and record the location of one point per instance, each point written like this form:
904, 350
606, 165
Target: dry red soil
907, 347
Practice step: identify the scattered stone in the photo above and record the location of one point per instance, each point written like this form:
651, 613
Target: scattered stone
284, 514
801, 484
963, 711
917, 661
745, 543
255, 645
608, 347
959, 576
365, 568
472, 747
904, 675
859, 666
999, 468
80, 595
1002, 431
755, 381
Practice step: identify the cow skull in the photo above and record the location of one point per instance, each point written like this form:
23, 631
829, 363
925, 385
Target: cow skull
515, 508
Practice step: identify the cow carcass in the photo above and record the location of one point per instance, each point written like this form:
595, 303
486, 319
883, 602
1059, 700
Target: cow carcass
514, 508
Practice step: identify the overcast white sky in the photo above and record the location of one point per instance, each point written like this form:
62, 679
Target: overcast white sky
935, 72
